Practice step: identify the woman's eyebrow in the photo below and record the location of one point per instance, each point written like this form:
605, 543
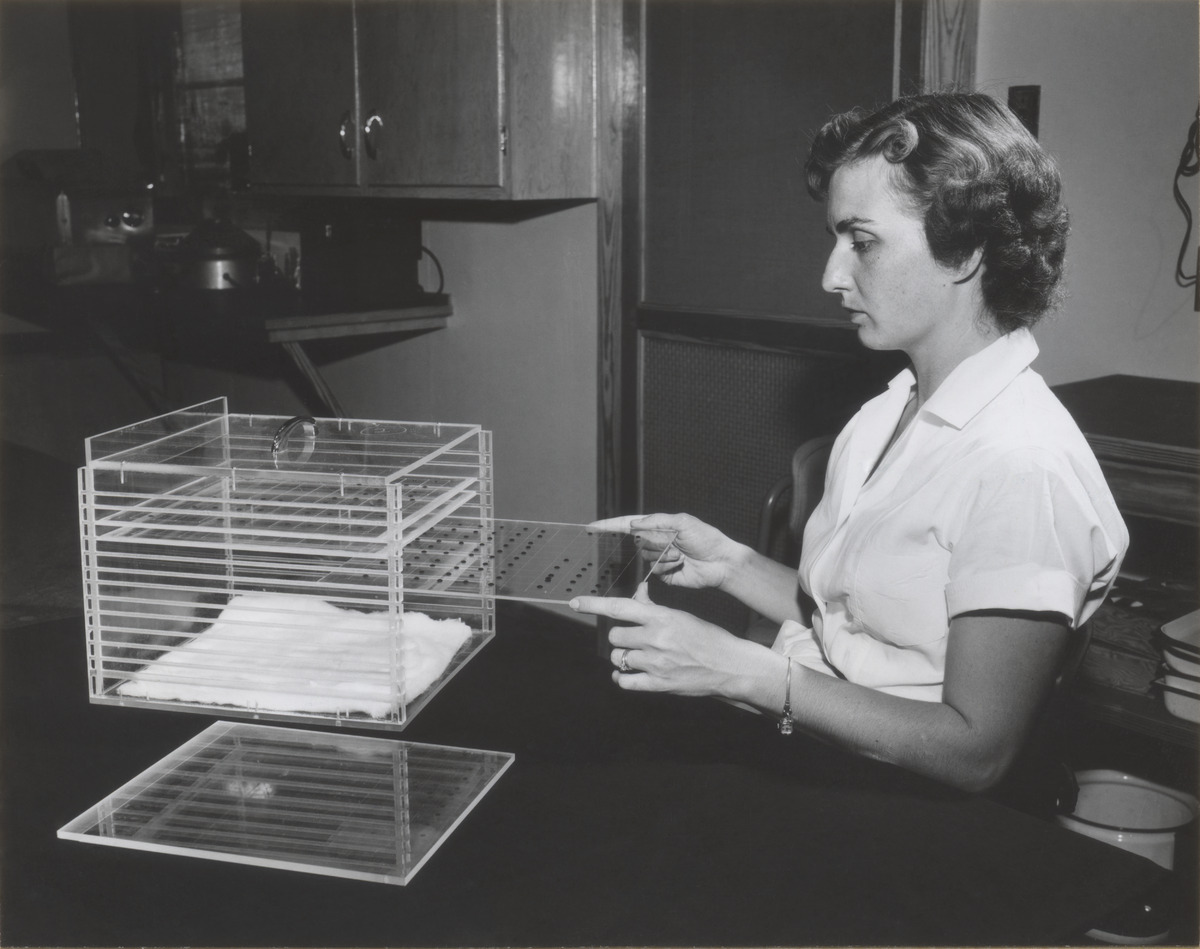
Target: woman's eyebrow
849, 223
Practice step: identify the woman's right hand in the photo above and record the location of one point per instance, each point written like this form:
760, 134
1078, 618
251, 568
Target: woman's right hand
700, 555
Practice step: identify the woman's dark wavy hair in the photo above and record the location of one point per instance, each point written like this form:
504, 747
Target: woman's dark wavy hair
979, 179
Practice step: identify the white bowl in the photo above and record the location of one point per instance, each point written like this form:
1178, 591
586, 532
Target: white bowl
1130, 813
1181, 698
1179, 660
1183, 681
1185, 631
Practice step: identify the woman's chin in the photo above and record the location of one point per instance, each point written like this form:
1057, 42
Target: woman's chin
867, 335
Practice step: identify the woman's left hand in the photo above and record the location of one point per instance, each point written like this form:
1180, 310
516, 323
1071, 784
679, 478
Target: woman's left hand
658, 649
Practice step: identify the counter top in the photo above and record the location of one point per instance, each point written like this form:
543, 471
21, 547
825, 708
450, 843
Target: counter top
626, 819
306, 326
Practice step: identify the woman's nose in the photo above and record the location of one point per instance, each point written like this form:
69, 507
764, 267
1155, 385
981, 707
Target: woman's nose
835, 278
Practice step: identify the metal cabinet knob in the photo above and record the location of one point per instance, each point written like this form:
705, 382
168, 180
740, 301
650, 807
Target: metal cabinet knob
374, 123
346, 135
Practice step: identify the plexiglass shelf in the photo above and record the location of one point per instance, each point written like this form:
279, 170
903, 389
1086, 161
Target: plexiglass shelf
325, 803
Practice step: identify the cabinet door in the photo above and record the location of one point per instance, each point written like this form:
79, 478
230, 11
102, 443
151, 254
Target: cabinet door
298, 61
430, 75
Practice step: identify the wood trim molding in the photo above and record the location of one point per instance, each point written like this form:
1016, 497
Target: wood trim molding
828, 337
618, 98
950, 36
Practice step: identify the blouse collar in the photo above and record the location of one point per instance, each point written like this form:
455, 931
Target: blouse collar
978, 379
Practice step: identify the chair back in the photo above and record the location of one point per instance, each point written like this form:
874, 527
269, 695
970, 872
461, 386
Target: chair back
808, 481
785, 511
791, 501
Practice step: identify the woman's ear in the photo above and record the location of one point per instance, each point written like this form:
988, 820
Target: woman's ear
970, 266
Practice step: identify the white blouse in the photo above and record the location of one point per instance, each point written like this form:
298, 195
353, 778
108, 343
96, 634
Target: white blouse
990, 499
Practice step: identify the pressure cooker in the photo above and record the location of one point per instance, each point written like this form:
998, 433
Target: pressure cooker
217, 255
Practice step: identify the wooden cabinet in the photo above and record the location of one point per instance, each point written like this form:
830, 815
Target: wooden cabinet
298, 75
421, 98
431, 91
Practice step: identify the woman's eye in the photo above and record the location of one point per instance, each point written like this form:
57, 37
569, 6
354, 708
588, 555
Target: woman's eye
859, 246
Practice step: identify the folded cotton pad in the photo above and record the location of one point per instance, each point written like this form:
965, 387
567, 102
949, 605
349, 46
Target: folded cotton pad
293, 653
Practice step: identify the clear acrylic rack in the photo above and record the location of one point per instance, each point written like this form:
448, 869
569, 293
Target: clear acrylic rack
308, 570
331, 572
213, 543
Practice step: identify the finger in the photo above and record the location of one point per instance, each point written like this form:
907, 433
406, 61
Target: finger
636, 681
622, 659
642, 594
671, 523
627, 637
613, 607
652, 538
671, 558
666, 525
621, 525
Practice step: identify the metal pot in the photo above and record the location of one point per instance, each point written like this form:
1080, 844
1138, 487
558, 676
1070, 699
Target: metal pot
216, 255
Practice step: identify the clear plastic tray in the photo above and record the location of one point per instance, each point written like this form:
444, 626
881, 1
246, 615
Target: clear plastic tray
325, 803
540, 561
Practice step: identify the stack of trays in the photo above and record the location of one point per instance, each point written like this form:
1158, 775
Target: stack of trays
1180, 680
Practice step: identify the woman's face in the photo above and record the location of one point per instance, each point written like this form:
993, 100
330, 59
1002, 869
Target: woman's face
897, 295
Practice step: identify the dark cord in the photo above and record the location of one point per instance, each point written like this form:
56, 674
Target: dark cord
1189, 164
442, 277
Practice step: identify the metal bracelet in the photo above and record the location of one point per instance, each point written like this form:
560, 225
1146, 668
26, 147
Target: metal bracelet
786, 724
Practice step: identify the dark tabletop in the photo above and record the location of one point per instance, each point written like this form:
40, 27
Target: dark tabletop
625, 820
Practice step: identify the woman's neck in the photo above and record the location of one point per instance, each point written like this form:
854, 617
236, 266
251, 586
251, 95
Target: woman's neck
933, 364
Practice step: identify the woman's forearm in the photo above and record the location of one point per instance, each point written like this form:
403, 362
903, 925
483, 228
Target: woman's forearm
765, 585
929, 738
998, 672
999, 667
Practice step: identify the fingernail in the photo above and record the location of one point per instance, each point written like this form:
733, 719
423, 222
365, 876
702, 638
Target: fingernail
574, 604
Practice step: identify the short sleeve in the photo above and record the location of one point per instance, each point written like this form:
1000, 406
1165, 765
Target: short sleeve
1035, 539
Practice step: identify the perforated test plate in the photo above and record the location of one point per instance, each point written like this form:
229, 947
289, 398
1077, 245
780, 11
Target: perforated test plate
546, 561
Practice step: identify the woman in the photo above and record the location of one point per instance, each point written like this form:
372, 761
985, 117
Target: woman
965, 528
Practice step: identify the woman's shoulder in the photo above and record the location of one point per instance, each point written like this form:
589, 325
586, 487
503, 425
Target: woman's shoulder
1027, 427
